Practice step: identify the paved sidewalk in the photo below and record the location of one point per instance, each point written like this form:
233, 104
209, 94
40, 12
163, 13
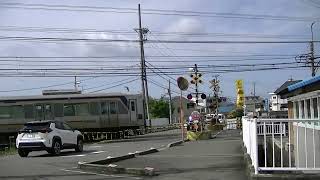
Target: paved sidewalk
219, 158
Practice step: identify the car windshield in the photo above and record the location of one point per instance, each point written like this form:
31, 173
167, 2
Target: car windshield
36, 126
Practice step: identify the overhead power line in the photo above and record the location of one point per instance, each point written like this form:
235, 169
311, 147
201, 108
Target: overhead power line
105, 84
97, 9
113, 74
158, 33
49, 86
57, 39
116, 85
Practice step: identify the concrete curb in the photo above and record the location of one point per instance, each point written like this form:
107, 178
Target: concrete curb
214, 136
106, 166
113, 159
114, 169
150, 151
174, 144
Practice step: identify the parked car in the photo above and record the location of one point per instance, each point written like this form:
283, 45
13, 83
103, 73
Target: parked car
52, 136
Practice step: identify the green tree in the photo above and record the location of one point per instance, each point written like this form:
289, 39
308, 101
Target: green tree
236, 113
159, 108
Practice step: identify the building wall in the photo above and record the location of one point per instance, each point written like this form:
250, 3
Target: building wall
276, 102
254, 103
304, 149
306, 135
176, 113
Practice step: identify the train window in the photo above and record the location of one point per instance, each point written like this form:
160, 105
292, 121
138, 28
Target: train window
82, 109
5, 112
68, 110
133, 107
58, 110
104, 108
113, 108
94, 108
28, 111
122, 108
17, 112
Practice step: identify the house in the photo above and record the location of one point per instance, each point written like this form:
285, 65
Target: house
187, 110
254, 104
276, 102
278, 105
303, 110
290, 145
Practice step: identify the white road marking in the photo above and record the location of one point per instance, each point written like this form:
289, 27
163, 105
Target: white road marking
94, 146
82, 155
97, 152
78, 155
105, 175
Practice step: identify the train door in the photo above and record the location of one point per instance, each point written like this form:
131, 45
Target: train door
104, 118
39, 114
113, 114
48, 112
133, 110
43, 112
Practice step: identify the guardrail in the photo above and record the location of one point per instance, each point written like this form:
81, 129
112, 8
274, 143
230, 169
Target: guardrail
282, 144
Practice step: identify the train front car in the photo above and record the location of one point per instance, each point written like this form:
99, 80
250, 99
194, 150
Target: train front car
86, 112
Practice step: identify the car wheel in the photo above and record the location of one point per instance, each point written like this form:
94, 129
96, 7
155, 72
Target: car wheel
23, 153
79, 147
56, 148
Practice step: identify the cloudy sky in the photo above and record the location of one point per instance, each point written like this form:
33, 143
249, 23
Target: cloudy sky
28, 19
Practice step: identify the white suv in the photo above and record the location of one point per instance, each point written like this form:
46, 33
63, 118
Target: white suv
51, 136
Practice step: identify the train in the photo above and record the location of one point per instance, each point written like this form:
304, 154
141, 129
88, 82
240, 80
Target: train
84, 112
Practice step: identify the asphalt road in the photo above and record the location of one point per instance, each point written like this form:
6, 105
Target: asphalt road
215, 159
41, 165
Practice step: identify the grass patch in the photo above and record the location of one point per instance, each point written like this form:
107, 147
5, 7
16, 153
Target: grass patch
8, 151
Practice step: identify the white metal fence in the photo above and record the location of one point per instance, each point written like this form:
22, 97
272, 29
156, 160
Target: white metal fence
282, 144
271, 128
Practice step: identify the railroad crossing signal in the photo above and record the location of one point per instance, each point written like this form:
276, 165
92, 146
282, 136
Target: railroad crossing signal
196, 78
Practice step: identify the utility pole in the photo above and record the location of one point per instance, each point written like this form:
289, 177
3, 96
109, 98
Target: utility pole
313, 70
142, 68
309, 58
215, 88
170, 108
216, 94
197, 93
144, 83
75, 83
254, 98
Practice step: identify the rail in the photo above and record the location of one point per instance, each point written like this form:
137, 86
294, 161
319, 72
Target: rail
125, 134
282, 144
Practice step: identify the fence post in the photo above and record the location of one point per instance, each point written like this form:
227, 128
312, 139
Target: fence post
255, 146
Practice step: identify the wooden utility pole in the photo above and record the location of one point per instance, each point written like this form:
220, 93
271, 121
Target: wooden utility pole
170, 107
